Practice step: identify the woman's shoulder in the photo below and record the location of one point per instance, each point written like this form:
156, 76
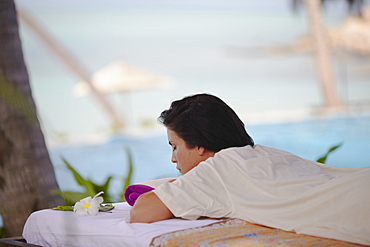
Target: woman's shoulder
241, 155
250, 151
233, 155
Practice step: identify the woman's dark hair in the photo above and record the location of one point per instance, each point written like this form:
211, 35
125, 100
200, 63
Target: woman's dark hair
204, 120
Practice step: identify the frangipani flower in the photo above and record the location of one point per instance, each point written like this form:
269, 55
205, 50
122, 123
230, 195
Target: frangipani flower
88, 205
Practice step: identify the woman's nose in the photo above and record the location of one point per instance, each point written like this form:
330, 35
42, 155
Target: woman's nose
173, 159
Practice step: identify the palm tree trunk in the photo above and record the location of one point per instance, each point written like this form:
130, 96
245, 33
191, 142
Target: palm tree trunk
26, 172
322, 54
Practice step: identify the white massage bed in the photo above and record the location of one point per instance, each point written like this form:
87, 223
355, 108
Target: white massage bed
65, 228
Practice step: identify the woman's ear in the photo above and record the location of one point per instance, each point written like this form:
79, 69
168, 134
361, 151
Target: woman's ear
201, 151
205, 153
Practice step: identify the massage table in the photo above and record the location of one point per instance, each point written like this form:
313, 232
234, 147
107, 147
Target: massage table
64, 228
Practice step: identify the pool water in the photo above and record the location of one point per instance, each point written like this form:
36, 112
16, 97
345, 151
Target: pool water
309, 139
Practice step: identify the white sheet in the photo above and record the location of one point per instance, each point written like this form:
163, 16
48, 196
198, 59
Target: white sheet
65, 228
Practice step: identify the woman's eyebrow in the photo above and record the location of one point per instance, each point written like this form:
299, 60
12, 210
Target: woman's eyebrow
170, 143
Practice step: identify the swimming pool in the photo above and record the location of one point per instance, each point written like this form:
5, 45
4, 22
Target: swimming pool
151, 153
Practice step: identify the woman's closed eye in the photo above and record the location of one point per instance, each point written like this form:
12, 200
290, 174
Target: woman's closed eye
173, 146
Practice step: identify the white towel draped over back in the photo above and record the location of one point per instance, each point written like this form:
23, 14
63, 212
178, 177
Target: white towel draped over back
275, 188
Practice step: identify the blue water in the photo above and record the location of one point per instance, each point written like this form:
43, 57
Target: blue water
151, 154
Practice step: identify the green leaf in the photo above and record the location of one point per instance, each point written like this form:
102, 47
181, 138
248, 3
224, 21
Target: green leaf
324, 158
18, 100
106, 207
105, 187
127, 180
91, 188
80, 180
64, 208
2, 232
130, 170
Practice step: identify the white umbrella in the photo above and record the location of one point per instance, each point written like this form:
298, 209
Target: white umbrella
121, 76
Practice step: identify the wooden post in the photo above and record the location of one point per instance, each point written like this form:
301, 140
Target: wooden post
322, 54
73, 65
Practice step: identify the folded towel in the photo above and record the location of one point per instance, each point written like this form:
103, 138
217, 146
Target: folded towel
135, 190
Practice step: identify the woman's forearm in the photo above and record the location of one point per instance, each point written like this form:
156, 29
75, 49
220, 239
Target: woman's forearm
149, 208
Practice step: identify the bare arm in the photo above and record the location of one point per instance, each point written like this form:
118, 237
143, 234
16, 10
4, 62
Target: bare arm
149, 208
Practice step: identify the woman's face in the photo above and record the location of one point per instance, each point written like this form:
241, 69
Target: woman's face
185, 158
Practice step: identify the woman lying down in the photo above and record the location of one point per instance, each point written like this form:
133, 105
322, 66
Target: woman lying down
226, 175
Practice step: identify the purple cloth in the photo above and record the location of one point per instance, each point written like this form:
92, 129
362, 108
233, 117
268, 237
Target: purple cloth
134, 191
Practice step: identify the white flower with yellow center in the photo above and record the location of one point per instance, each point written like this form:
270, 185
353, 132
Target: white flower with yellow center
88, 205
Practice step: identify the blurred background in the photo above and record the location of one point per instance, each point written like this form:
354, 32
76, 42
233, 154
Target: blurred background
255, 55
